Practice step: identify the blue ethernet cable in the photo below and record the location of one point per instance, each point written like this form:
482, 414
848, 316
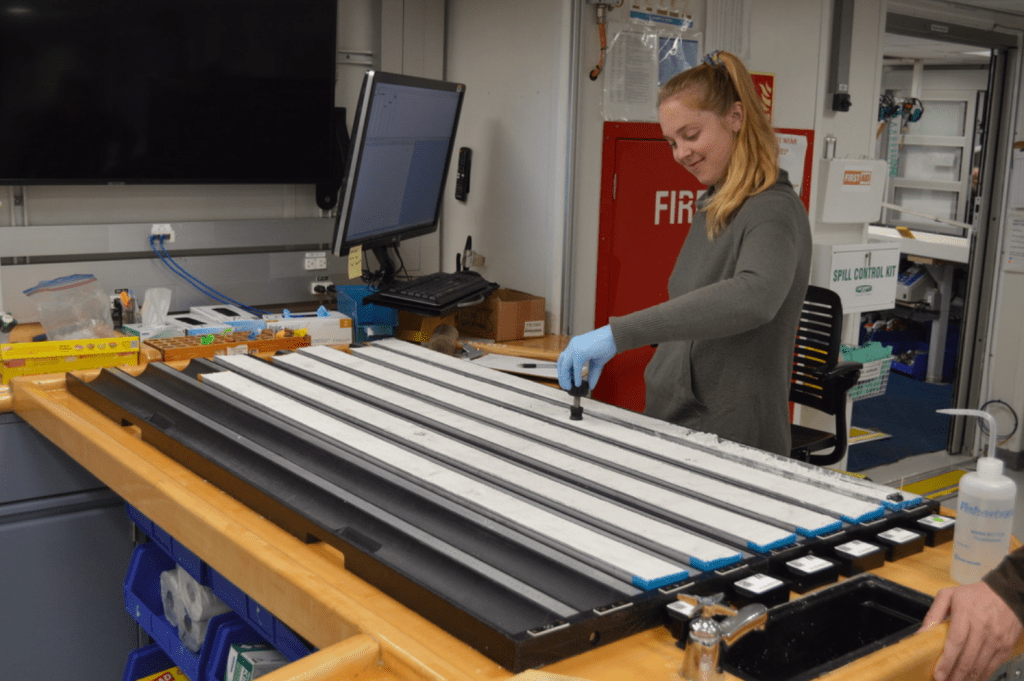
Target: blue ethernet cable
197, 284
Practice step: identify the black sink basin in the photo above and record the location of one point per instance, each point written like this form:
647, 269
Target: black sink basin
810, 636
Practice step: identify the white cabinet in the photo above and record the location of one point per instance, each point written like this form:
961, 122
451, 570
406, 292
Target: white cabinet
864, 275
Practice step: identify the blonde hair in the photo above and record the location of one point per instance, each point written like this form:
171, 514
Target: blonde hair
715, 85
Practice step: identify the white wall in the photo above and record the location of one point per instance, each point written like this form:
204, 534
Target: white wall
514, 61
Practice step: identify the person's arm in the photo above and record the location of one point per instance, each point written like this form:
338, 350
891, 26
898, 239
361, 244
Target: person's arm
763, 276
982, 626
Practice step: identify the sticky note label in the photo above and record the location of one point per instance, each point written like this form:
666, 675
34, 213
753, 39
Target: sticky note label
355, 262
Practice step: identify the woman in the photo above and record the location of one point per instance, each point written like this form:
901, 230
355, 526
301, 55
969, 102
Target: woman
726, 335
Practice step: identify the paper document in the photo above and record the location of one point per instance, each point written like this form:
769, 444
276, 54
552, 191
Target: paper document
519, 365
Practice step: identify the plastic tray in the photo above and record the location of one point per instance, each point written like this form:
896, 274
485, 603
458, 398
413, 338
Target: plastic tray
874, 378
279, 635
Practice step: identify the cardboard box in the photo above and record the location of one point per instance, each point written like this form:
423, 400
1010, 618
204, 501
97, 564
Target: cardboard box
504, 315
48, 357
251, 660
418, 328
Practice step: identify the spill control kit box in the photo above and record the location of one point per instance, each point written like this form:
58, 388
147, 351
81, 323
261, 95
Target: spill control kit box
504, 315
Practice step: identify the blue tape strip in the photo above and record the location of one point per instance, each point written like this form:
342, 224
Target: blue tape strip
900, 505
777, 544
873, 515
651, 584
708, 565
834, 527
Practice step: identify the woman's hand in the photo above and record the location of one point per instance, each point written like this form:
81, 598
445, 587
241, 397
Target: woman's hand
593, 350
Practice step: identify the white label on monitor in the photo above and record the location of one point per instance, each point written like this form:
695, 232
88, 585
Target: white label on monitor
759, 583
857, 548
809, 564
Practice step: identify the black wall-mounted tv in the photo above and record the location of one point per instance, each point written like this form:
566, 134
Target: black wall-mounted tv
167, 91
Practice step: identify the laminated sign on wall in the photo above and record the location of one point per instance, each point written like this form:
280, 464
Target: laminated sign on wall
643, 53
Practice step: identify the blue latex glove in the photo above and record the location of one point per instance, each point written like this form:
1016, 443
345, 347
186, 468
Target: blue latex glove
593, 350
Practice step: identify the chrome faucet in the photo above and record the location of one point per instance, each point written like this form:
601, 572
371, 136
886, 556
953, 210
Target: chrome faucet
701, 659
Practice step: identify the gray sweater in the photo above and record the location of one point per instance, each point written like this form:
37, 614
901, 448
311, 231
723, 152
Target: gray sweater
726, 335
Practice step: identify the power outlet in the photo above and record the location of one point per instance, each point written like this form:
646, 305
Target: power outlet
324, 282
163, 230
315, 261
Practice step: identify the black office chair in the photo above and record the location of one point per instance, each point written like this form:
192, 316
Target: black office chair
820, 379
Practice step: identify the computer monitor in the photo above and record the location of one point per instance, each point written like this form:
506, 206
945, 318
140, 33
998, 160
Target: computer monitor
397, 163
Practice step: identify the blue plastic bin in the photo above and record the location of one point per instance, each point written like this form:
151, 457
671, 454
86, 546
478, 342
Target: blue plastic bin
918, 369
248, 610
146, 661
368, 320
142, 599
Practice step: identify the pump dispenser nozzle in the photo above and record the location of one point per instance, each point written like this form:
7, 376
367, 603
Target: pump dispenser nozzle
989, 420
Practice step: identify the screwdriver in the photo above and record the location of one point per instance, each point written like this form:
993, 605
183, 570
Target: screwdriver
578, 391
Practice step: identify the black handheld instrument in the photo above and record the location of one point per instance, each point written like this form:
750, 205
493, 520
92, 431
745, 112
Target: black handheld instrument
578, 391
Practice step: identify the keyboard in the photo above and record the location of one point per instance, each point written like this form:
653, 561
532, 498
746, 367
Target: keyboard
438, 290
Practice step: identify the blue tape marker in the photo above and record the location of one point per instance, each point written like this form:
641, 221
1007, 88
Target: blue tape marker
650, 584
708, 565
777, 544
873, 515
833, 527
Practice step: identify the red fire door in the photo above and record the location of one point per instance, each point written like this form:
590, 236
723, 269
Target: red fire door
647, 207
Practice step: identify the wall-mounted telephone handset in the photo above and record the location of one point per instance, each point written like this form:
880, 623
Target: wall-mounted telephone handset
462, 176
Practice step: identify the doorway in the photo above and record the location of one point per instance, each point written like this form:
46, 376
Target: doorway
940, 108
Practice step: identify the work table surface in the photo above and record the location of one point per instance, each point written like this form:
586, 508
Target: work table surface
361, 632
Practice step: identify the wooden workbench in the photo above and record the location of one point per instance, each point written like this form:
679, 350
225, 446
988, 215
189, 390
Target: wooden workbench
362, 633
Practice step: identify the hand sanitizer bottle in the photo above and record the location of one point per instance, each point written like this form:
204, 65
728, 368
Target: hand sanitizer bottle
984, 516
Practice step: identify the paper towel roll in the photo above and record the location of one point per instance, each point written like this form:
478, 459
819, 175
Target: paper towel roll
192, 632
200, 601
170, 596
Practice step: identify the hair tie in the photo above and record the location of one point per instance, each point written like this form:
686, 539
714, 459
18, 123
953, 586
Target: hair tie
714, 59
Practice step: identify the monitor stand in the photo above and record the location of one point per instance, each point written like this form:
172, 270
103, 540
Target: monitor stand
386, 264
